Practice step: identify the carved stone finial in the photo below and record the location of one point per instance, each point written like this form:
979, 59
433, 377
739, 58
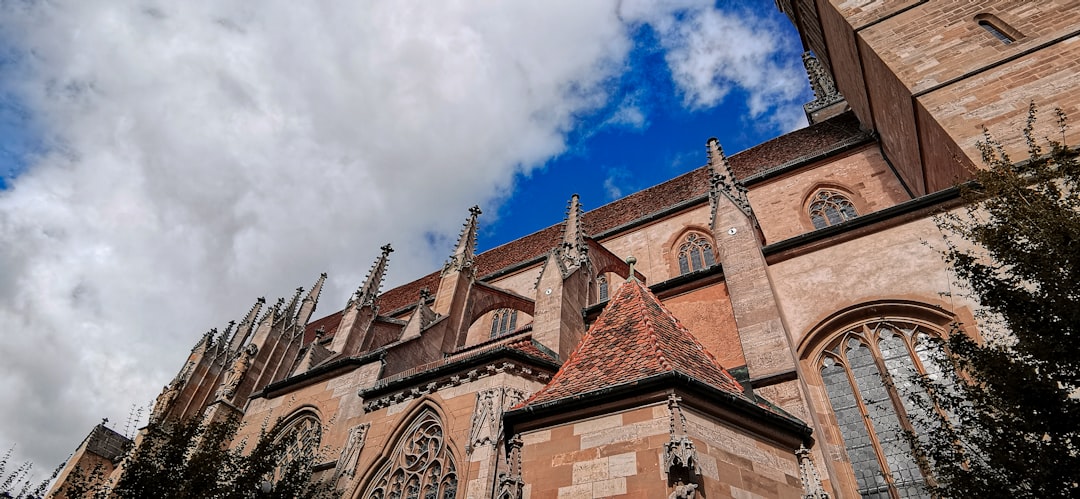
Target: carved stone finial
680, 456
511, 485
812, 487
825, 92
465, 251
631, 261
368, 292
722, 181
573, 251
425, 294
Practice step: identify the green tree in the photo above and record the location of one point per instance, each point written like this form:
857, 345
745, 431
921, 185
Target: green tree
190, 460
1008, 425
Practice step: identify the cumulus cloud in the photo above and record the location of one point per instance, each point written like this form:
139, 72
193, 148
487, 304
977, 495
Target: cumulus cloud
712, 52
200, 154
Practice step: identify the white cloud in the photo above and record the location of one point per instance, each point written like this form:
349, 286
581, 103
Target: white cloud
614, 182
202, 153
712, 52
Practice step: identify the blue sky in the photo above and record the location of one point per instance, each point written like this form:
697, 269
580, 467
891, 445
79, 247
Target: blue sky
165, 163
605, 161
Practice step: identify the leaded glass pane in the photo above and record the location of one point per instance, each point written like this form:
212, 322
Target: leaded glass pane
513, 321
684, 266
848, 210
833, 214
882, 415
856, 439
695, 258
710, 260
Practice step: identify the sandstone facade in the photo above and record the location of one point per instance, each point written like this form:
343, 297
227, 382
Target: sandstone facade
794, 284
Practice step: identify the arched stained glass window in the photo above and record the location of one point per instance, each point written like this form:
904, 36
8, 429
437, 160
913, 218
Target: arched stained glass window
421, 464
602, 286
868, 372
503, 321
830, 208
695, 253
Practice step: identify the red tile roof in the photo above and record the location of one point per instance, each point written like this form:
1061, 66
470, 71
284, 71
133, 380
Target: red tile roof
787, 148
634, 338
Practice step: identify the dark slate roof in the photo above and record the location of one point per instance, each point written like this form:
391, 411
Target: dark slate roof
784, 150
106, 442
634, 338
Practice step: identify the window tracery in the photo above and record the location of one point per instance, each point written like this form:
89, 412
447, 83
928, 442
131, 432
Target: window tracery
503, 321
420, 466
299, 440
868, 373
830, 208
695, 253
602, 287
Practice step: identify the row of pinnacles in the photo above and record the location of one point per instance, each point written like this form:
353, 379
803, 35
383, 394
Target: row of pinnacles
273, 346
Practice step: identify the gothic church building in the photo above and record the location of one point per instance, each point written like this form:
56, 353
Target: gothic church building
743, 330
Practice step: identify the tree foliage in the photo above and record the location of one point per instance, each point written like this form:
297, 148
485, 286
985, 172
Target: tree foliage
18, 483
192, 459
1009, 424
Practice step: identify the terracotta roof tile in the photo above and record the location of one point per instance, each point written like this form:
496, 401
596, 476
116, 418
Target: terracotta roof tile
776, 152
634, 338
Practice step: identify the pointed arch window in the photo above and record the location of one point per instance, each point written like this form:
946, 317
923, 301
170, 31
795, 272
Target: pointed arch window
695, 253
830, 208
868, 372
421, 464
602, 287
503, 321
299, 441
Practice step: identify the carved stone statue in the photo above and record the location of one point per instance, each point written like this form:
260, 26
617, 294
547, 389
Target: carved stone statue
684, 491
236, 373
164, 401
350, 454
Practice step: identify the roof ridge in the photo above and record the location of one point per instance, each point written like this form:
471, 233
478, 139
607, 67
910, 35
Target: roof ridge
634, 338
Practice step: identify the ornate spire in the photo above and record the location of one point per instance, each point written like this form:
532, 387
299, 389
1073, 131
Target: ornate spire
722, 180
421, 318
270, 316
206, 341
573, 250
312, 299
290, 309
369, 290
679, 451
247, 325
825, 92
465, 251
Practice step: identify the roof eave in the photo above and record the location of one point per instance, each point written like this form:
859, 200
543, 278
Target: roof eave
575, 406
